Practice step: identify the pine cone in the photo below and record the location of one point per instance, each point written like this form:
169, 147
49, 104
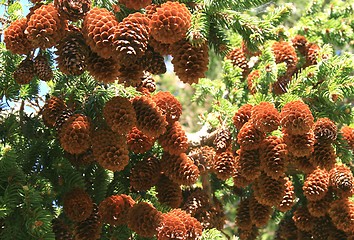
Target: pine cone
150, 119
52, 109
103, 70
179, 169
114, 210
222, 140
252, 80
342, 180
72, 54
302, 163
131, 38
348, 135
147, 83
190, 62
132, 75
260, 214
153, 62
287, 229
265, 117
171, 227
300, 145
162, 48
61, 230
143, 218
77, 205
211, 218
119, 114
249, 137
300, 43
98, 27
341, 212
243, 218
62, 118
325, 130
250, 234
239, 180
202, 157
151, 9
24, 72
168, 192
288, 200
303, 219
316, 185
135, 4
145, 174
110, 150
15, 38
174, 140
138, 142
323, 156
170, 22
296, 118
193, 226
75, 134
273, 156
224, 165
312, 54
281, 85
89, 229
45, 27
238, 58
81, 160
242, 116
169, 105
249, 164
197, 202
320, 208
285, 52
42, 68
72, 10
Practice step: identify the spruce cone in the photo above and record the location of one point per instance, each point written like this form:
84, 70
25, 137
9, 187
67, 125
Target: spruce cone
251, 81
145, 174
72, 10
320, 208
114, 210
312, 54
323, 156
171, 227
138, 142
193, 226
342, 180
81, 160
72, 54
103, 70
287, 229
302, 163
110, 150
341, 212
150, 119
15, 38
202, 157
170, 22
179, 169
190, 62
168, 192
238, 58
153, 62
169, 105
288, 200
174, 140
243, 218
61, 230
131, 75
300, 44
249, 164
222, 140
211, 218
24, 72
45, 27
52, 109
62, 118
285, 52
151, 9
147, 83
89, 229
119, 114
42, 68
303, 219
316, 185
348, 135
143, 218
224, 165
249, 137
300, 145
75, 134
135, 4
296, 118
242, 116
250, 234
98, 27
260, 214
273, 156
325, 130
265, 117
162, 48
77, 205
239, 180
197, 202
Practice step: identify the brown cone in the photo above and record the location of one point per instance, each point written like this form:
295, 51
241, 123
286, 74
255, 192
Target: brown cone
24, 72
202, 157
145, 174
249, 137
265, 117
138, 142
72, 10
239, 180
171, 227
260, 214
52, 109
249, 164
325, 130
224, 165
342, 180
303, 219
222, 140
153, 61
242, 116
42, 68
135, 4
288, 200
15, 38
61, 230
169, 105
89, 229
193, 226
285, 52
323, 156
320, 208
103, 70
316, 184
77, 205
174, 140
238, 58
168, 192
300, 145
341, 212
243, 217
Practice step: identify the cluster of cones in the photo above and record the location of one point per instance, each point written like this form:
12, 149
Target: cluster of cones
93, 39
296, 54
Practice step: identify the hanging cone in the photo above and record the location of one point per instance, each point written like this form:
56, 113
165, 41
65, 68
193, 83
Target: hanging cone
300, 145
316, 185
145, 174
103, 70
242, 116
222, 140
24, 72
174, 140
138, 142
265, 117
168, 192
52, 109
224, 165
15, 39
260, 214
288, 200
42, 68
169, 105
323, 156
303, 219
342, 180
249, 164
89, 229
243, 218
325, 130
72, 10
249, 137
77, 205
